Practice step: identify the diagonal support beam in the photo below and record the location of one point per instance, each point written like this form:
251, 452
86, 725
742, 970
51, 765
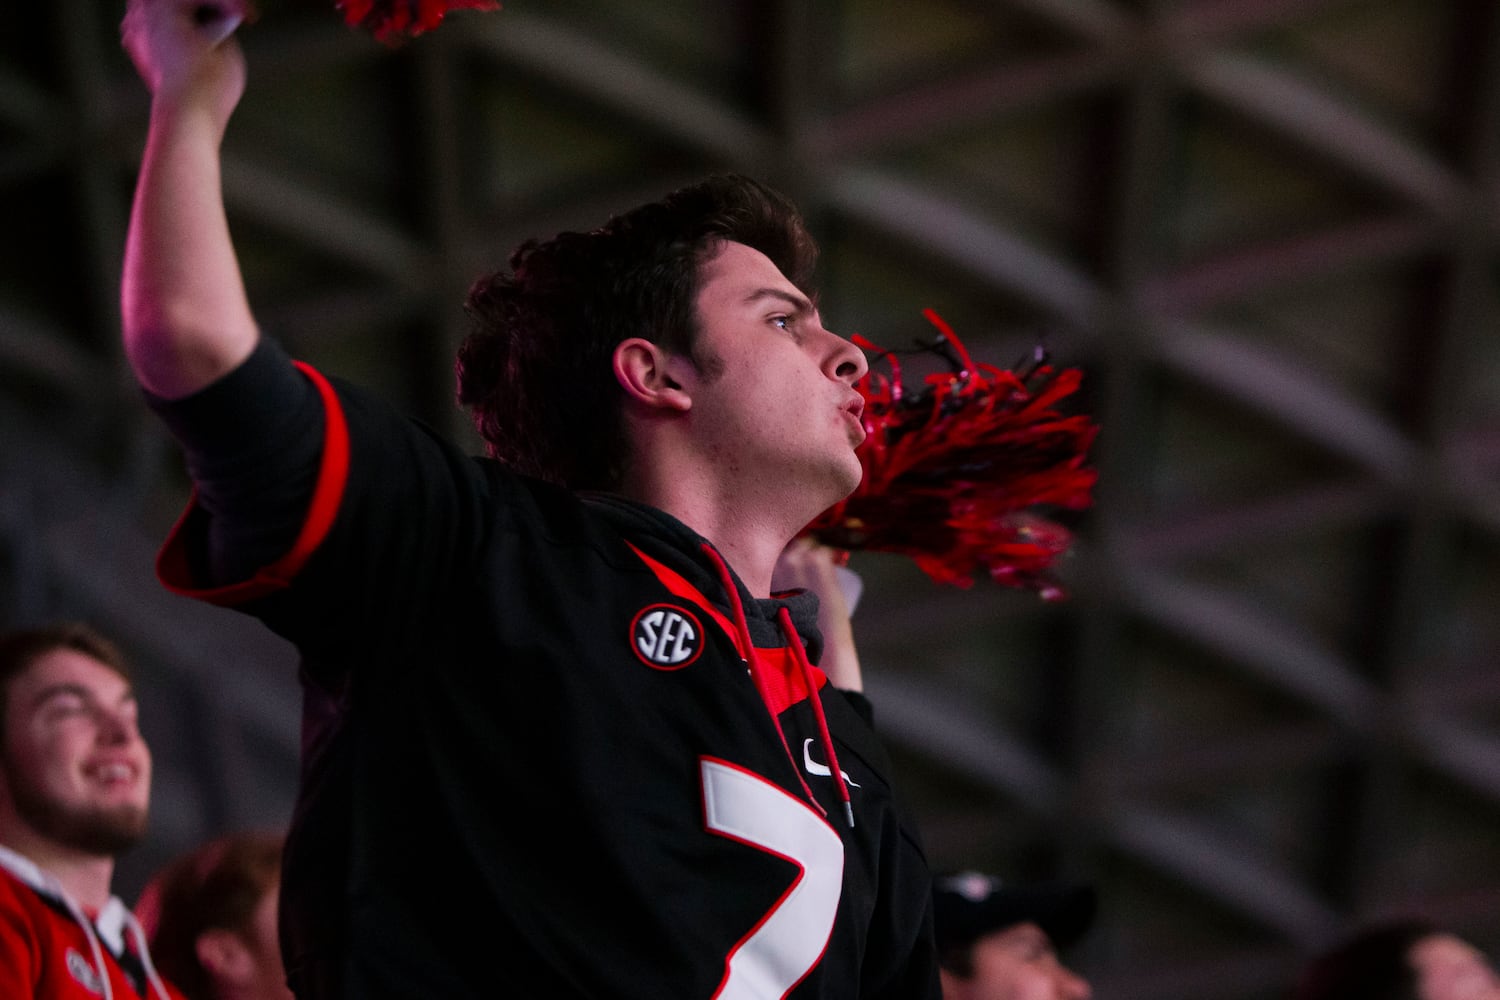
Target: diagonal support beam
1174, 845
962, 739
1242, 274
591, 69
1328, 126
1270, 650
952, 232
1286, 392
322, 221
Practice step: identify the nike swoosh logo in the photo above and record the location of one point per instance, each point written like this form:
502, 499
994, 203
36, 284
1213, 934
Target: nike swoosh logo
822, 770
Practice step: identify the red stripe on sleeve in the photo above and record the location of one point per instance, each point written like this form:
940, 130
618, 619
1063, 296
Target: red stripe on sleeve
333, 474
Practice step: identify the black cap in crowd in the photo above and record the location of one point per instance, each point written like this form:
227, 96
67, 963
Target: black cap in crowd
969, 905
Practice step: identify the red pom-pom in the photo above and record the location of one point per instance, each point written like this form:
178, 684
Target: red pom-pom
390, 20
953, 471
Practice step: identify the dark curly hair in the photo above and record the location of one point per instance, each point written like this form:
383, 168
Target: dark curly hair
535, 370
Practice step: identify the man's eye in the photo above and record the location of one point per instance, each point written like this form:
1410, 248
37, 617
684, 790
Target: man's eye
784, 322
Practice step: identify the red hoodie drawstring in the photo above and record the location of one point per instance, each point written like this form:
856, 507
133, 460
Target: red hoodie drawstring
784, 617
752, 663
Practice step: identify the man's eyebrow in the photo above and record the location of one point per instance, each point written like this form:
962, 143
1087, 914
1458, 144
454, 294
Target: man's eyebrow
798, 303
63, 690
52, 691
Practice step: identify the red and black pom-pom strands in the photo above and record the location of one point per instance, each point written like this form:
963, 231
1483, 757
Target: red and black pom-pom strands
953, 471
392, 20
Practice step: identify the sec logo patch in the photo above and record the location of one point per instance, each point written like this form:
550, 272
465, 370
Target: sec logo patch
666, 637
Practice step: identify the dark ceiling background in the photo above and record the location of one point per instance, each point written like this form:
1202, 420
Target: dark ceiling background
1266, 229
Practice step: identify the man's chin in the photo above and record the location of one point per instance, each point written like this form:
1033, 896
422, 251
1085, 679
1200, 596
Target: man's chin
102, 832
113, 833
856, 475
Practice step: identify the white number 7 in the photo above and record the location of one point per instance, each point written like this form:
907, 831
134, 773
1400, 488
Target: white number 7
783, 947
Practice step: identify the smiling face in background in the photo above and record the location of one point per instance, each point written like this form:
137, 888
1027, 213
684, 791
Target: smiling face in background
73, 767
773, 398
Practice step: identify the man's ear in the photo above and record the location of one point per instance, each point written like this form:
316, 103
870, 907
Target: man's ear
224, 955
645, 371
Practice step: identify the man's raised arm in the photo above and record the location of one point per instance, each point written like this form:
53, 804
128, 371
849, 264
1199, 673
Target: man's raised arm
186, 317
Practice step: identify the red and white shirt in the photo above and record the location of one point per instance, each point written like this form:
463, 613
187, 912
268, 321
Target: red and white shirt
50, 949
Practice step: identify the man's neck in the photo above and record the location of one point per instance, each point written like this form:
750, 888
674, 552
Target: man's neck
751, 554
749, 541
85, 877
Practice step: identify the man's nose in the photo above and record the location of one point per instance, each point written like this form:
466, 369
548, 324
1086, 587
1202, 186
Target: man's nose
850, 362
117, 727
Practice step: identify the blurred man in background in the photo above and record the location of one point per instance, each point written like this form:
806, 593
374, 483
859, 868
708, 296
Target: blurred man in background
211, 919
1400, 960
75, 785
999, 942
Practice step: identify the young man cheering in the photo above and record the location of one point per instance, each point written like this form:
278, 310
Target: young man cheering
561, 739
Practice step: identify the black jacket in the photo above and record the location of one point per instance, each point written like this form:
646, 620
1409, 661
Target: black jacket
538, 760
